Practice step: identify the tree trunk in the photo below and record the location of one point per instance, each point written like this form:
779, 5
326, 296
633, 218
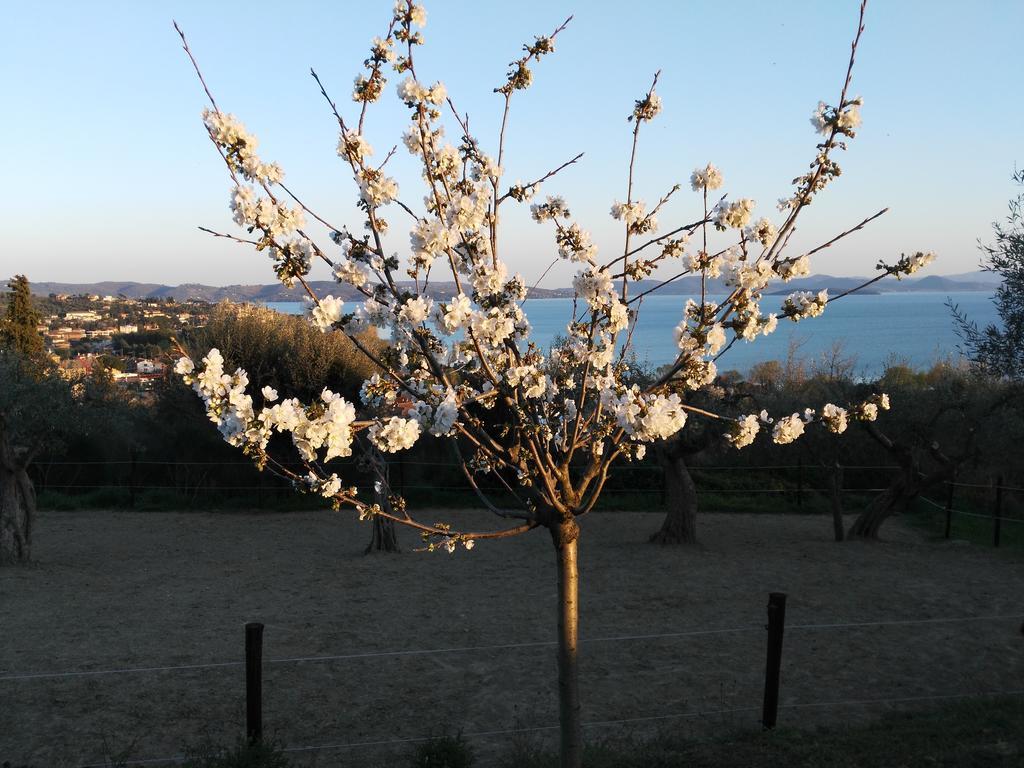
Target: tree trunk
837, 501
905, 487
680, 523
894, 499
384, 537
565, 536
17, 507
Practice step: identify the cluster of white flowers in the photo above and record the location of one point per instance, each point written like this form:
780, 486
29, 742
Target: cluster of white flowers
735, 215
415, 310
328, 487
834, 418
413, 92
631, 213
709, 178
395, 434
452, 316
550, 209
801, 304
328, 425
353, 147
743, 431
788, 429
594, 286
908, 264
846, 120
326, 312
575, 244
274, 218
239, 147
531, 382
439, 421
790, 269
762, 231
353, 273
646, 417
868, 410
647, 108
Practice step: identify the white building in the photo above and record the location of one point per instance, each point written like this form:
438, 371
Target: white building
148, 366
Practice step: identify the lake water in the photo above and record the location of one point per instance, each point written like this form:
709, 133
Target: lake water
913, 327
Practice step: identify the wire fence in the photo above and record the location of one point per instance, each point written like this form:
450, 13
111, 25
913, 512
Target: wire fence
1010, 620
158, 482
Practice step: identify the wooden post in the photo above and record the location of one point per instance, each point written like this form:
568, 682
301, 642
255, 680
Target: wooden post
949, 506
776, 624
253, 681
997, 512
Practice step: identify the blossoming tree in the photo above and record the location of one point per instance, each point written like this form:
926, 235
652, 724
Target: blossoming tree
566, 414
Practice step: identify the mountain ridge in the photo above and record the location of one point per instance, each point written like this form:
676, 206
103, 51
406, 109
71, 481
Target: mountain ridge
967, 281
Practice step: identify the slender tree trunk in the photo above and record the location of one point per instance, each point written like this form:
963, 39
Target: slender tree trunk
566, 537
680, 523
837, 501
17, 507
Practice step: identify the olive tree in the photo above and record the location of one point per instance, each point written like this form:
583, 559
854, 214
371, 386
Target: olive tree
1000, 350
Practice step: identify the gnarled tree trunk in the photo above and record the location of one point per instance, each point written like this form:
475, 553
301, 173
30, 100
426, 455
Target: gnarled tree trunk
904, 489
17, 506
384, 537
680, 523
836, 493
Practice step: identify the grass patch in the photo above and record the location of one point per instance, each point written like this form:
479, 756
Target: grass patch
977, 530
976, 734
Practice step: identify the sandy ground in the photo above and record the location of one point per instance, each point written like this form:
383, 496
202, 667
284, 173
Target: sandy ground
122, 590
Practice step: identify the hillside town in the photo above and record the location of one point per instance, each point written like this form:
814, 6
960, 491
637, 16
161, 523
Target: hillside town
128, 337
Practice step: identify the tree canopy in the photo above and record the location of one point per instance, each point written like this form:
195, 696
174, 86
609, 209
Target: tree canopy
19, 330
1000, 350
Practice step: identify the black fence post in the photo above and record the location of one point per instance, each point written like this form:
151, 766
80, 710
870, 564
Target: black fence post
997, 512
776, 624
253, 681
949, 506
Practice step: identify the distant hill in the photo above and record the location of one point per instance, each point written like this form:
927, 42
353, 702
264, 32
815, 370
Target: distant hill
967, 281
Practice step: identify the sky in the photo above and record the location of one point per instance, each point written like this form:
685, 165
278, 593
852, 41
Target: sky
108, 171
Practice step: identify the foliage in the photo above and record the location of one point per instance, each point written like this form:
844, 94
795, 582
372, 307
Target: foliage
18, 329
1000, 351
285, 351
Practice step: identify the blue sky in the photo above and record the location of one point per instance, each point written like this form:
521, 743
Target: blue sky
108, 171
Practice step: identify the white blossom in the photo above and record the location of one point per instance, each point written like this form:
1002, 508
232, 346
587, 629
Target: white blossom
788, 429
709, 178
396, 434
326, 312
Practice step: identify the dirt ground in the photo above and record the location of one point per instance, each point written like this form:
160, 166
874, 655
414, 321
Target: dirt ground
126, 590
